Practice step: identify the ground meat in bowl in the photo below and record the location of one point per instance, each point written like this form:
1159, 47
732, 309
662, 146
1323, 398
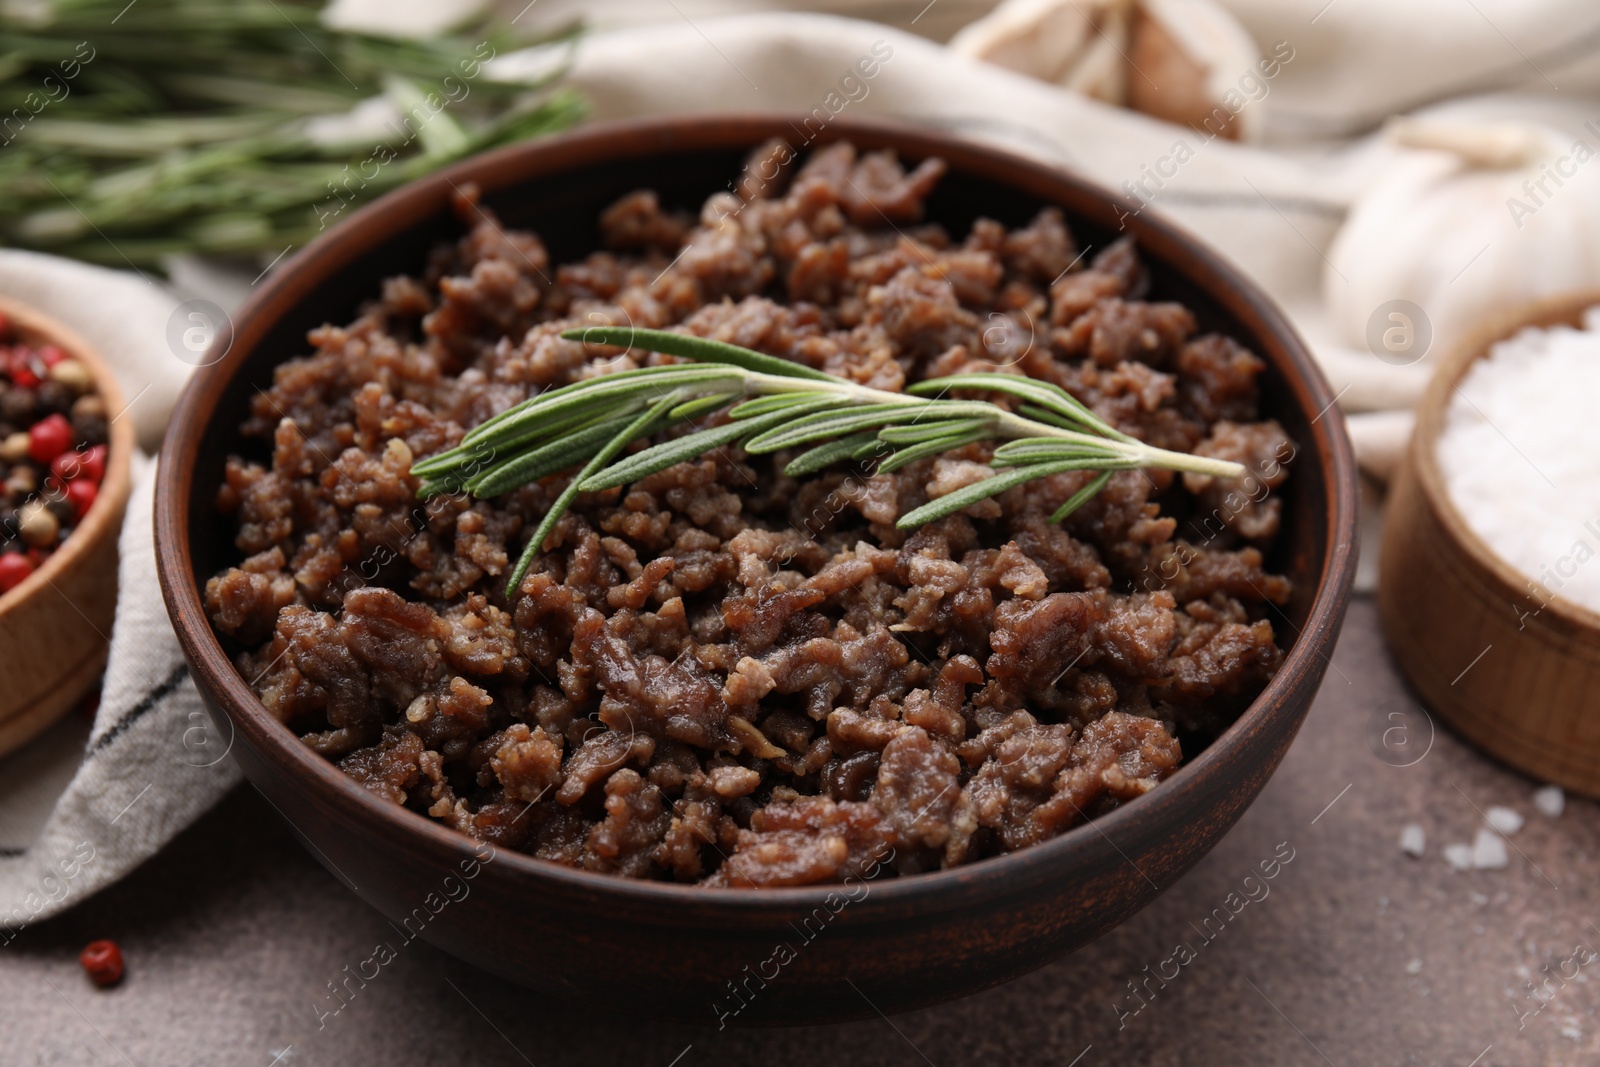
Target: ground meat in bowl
721, 674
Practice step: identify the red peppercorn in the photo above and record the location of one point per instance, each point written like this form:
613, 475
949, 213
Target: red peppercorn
14, 567
93, 466
22, 369
49, 437
80, 494
37, 556
67, 466
51, 355
103, 962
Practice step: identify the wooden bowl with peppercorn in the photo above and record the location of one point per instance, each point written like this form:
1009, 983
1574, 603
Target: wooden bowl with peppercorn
64, 463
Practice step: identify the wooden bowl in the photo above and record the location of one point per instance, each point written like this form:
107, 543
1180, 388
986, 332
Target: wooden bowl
1517, 672
677, 950
55, 625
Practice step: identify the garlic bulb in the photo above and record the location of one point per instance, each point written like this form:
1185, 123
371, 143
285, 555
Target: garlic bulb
1470, 219
1185, 61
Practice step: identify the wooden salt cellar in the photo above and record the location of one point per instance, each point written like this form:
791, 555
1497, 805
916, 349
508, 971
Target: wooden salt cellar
1507, 663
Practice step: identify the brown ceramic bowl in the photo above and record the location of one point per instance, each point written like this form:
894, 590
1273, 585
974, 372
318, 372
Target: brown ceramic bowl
676, 950
54, 624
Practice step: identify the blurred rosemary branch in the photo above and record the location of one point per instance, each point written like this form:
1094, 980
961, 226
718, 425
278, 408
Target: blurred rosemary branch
131, 132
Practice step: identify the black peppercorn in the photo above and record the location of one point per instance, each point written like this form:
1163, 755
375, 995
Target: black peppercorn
55, 397
62, 509
91, 430
18, 404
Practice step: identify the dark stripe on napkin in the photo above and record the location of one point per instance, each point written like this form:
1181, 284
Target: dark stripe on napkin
151, 699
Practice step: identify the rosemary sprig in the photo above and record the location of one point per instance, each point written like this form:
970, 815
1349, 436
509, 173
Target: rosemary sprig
771, 405
130, 132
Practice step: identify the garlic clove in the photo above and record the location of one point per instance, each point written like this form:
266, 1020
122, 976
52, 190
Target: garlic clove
1188, 56
1102, 70
1186, 61
1078, 44
1491, 145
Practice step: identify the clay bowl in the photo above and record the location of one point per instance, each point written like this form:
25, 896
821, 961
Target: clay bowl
1511, 665
54, 624
676, 950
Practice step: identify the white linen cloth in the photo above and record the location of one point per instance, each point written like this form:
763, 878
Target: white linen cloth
75, 817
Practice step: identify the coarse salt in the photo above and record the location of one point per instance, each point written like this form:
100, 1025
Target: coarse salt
1413, 840
1550, 801
1489, 851
1504, 820
1517, 454
1458, 856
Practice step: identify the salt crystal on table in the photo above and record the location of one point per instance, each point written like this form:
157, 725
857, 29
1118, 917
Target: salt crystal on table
1458, 857
1413, 841
1550, 800
1414, 967
1505, 820
1489, 851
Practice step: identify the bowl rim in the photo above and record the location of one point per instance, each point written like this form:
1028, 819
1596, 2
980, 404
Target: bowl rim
1432, 413
105, 514
645, 137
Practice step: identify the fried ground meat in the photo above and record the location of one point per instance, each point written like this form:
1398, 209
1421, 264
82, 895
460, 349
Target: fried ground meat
719, 674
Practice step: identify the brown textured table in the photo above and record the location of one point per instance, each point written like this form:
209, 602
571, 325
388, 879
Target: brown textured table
1354, 954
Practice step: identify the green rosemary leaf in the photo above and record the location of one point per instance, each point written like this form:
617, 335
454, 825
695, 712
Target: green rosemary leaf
1081, 497
873, 449
703, 405
763, 405
596, 394
1027, 450
912, 453
454, 461
478, 454
688, 346
547, 459
834, 423
993, 485
436, 487
639, 427
916, 432
793, 432
1039, 414
1010, 384
1044, 394
680, 449
490, 424
826, 455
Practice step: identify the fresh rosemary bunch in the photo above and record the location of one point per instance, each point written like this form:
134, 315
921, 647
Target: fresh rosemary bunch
130, 132
771, 405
